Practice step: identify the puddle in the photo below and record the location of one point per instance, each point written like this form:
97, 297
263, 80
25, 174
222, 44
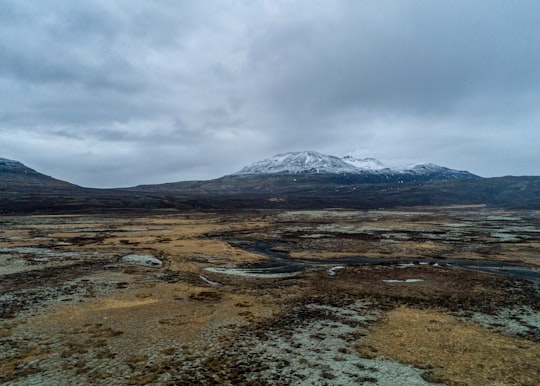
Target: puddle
403, 281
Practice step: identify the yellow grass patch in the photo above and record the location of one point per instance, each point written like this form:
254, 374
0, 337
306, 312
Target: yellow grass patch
459, 353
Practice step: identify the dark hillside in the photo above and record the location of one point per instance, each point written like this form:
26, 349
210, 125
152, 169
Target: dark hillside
24, 190
16, 177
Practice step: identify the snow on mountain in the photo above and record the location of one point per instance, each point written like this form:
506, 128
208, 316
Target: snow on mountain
364, 163
300, 162
314, 162
437, 170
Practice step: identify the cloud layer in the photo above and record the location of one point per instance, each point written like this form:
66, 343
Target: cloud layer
121, 93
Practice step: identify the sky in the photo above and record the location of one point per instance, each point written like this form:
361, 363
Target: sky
119, 93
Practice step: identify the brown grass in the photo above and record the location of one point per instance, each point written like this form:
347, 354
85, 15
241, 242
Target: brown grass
459, 353
153, 317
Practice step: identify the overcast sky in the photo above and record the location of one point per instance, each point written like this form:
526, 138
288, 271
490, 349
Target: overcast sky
118, 93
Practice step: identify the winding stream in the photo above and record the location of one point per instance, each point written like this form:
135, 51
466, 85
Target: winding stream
280, 264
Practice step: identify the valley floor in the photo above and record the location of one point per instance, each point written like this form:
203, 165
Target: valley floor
418, 296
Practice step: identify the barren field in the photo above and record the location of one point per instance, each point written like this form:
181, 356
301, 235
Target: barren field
419, 296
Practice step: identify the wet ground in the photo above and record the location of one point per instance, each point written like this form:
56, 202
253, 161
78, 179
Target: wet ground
280, 263
423, 296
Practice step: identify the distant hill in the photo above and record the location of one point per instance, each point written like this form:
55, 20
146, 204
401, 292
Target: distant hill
295, 181
346, 191
16, 177
24, 190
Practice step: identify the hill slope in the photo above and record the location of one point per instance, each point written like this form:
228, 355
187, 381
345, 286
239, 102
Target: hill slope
16, 177
24, 190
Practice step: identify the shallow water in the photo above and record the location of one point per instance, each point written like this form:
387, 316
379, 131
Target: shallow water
280, 262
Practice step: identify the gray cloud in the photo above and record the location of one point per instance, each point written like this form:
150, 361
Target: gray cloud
120, 93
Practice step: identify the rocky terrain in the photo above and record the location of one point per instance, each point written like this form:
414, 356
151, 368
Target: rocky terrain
432, 295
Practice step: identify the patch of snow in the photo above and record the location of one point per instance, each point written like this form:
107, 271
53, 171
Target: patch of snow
406, 265
332, 271
403, 281
364, 163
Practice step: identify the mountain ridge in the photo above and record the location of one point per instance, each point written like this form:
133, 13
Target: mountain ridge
310, 162
26, 191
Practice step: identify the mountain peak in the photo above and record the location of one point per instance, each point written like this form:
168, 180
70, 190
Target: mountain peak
299, 162
312, 162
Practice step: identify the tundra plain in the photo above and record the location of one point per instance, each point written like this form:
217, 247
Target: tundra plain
432, 295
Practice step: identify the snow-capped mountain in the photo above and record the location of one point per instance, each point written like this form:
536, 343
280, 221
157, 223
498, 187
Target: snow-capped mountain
302, 180
300, 162
311, 162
